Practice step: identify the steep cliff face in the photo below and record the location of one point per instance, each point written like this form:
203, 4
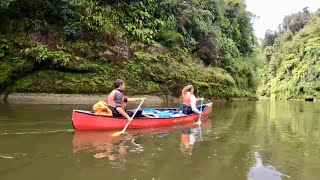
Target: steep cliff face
157, 47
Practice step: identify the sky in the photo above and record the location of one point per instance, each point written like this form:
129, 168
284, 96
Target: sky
272, 12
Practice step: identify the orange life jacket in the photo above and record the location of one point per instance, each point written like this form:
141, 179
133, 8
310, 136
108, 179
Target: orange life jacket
186, 99
111, 100
101, 108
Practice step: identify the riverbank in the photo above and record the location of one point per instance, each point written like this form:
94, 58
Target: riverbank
292, 99
48, 98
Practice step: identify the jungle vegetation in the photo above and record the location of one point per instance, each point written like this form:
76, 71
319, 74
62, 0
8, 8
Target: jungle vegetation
290, 57
156, 46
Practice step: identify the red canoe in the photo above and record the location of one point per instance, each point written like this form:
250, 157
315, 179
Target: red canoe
86, 120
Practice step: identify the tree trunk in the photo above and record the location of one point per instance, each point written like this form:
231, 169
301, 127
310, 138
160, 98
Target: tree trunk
5, 97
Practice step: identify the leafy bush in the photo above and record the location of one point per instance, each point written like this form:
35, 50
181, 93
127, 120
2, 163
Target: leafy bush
170, 38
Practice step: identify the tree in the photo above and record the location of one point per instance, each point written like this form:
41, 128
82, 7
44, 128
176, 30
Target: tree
269, 38
295, 22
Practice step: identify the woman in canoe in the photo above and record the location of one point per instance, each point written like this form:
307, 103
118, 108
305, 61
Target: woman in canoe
117, 102
189, 101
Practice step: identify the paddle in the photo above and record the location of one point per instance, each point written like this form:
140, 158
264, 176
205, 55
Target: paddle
124, 129
199, 121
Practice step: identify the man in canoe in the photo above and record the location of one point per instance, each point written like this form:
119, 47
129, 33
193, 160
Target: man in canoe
189, 101
117, 101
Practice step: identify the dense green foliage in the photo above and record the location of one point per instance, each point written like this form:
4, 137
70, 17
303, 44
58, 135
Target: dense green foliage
295, 22
157, 47
291, 23
291, 67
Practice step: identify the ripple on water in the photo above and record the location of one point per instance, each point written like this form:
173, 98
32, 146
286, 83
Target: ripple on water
37, 132
12, 155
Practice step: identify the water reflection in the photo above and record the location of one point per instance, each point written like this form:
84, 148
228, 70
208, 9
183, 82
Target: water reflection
190, 135
188, 138
263, 172
101, 144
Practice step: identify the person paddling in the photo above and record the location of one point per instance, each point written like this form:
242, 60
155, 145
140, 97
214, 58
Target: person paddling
117, 101
189, 101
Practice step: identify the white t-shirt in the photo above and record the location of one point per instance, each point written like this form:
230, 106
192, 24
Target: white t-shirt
193, 103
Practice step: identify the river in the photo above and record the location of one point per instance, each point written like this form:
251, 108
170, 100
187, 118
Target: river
239, 140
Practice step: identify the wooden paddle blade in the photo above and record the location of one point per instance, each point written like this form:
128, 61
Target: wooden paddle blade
117, 134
